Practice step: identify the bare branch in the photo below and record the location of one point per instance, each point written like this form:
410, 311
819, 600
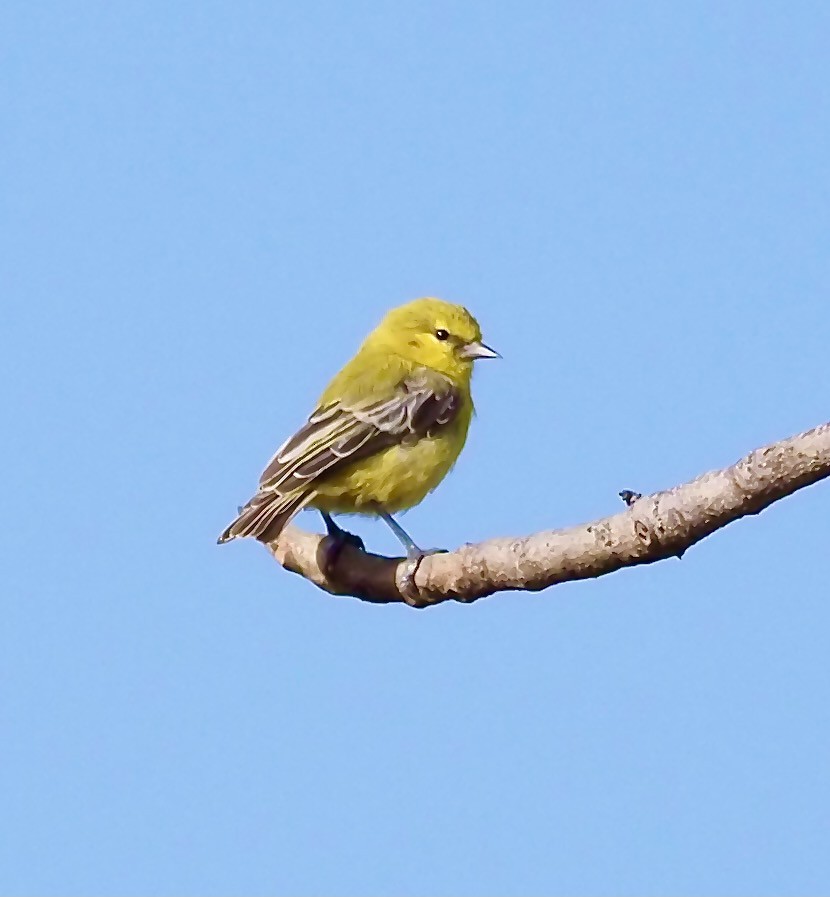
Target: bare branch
651, 528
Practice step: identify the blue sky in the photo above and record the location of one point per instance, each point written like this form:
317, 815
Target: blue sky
205, 207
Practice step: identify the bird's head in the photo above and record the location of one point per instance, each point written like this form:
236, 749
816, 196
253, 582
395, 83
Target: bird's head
436, 334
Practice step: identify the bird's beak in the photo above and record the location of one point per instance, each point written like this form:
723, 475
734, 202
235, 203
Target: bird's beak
477, 350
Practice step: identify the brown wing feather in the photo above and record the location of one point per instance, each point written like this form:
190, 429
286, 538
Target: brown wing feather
265, 515
342, 433
346, 432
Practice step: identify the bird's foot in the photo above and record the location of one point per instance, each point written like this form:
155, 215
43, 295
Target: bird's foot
409, 590
334, 543
418, 553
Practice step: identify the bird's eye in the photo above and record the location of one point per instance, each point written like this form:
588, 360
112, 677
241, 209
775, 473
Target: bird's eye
442, 334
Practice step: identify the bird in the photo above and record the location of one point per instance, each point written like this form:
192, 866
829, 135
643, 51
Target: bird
384, 433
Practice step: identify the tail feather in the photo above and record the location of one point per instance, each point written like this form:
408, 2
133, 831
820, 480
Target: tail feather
266, 515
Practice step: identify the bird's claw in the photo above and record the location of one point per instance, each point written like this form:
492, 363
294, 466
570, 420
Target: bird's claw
355, 541
409, 591
426, 552
333, 544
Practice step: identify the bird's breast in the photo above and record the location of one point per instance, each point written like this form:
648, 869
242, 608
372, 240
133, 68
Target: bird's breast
396, 478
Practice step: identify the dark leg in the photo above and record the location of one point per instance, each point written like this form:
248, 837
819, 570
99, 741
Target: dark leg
338, 538
339, 534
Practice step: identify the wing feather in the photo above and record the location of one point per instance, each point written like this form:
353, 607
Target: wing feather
339, 433
342, 432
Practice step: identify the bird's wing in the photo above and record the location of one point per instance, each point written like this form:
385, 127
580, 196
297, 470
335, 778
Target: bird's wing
343, 431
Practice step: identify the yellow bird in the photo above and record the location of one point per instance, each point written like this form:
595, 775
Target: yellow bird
385, 432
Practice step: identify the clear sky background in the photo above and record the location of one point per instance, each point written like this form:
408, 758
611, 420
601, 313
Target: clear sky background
205, 208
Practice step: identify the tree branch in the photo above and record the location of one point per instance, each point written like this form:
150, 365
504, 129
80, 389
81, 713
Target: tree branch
651, 528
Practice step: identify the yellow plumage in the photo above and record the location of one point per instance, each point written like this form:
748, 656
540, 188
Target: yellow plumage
386, 430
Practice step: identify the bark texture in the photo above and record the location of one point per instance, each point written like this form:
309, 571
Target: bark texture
651, 527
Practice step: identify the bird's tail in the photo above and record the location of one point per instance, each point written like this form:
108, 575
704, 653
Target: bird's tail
266, 515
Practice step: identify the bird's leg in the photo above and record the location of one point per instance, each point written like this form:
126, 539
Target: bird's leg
340, 534
337, 539
414, 554
412, 550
